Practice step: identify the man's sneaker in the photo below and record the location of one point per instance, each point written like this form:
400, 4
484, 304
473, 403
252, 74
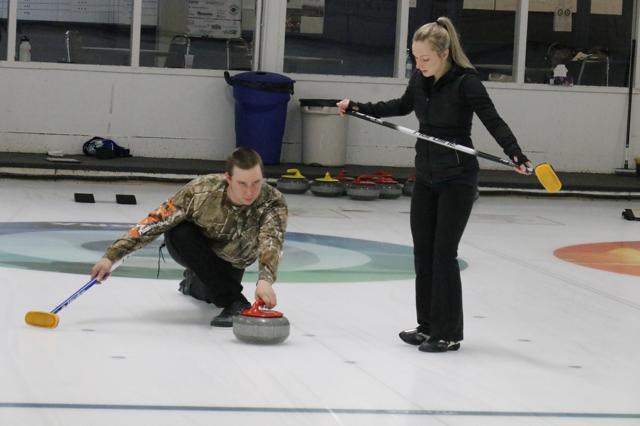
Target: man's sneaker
439, 346
225, 318
413, 336
185, 285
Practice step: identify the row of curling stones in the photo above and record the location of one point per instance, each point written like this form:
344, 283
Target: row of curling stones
293, 182
260, 325
381, 185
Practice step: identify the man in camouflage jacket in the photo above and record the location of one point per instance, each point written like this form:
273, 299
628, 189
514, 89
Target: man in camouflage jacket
216, 226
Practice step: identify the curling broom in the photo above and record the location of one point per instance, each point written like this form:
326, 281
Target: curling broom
51, 319
544, 172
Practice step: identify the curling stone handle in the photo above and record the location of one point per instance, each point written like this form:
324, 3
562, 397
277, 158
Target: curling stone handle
363, 178
255, 308
294, 173
256, 311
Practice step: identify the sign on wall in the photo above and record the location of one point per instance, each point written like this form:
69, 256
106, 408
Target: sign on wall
214, 18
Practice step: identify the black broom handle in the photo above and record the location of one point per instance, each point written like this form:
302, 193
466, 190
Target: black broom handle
631, 78
442, 142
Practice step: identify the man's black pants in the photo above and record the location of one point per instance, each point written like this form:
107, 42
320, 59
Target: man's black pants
218, 281
439, 215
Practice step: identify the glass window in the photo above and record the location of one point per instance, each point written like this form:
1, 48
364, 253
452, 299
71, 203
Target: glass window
486, 32
347, 37
4, 11
84, 32
592, 39
199, 34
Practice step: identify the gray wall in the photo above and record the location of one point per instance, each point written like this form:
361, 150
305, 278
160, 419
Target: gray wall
173, 113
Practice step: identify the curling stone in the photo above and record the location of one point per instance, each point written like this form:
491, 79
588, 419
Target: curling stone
261, 326
346, 180
293, 182
382, 173
363, 189
327, 186
407, 189
389, 188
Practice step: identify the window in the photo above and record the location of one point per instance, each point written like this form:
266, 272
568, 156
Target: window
486, 33
4, 12
85, 32
199, 34
347, 37
592, 39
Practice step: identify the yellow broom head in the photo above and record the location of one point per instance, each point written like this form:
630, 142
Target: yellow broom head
41, 319
548, 178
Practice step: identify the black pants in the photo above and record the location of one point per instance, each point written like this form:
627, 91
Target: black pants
218, 281
439, 215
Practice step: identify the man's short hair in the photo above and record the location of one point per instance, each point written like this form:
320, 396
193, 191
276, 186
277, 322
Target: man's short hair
245, 159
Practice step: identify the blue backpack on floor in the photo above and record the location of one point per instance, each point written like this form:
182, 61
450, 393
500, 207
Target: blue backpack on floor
104, 148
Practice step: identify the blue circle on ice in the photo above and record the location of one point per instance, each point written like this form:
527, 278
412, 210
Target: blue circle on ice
73, 247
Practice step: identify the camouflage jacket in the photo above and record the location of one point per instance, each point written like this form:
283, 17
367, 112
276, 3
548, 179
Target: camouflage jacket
238, 234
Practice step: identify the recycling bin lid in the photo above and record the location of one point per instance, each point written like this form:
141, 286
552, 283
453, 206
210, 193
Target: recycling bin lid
261, 80
319, 102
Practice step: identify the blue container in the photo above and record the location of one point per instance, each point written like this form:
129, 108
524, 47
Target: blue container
261, 111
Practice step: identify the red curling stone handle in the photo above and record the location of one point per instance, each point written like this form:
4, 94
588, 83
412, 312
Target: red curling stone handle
256, 311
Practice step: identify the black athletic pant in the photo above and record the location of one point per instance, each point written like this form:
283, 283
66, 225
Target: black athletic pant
439, 215
218, 281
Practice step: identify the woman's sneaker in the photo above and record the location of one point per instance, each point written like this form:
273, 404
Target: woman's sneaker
413, 336
439, 345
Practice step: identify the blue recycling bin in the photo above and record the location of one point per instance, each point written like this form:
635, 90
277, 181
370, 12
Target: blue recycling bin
261, 111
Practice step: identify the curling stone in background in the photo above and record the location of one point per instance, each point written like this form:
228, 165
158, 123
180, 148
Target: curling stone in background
382, 173
261, 326
389, 188
327, 186
407, 189
293, 182
363, 188
346, 180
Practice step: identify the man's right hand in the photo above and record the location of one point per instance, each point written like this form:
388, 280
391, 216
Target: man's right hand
264, 291
102, 269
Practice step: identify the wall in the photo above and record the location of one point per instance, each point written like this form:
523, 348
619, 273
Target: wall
154, 114
189, 114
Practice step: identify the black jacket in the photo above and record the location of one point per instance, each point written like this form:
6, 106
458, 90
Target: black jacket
445, 110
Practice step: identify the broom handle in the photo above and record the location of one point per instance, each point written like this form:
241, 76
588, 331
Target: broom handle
432, 139
82, 289
74, 296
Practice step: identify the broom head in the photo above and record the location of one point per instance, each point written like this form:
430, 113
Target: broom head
547, 177
41, 319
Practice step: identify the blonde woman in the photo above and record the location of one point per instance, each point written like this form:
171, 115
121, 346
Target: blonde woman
444, 92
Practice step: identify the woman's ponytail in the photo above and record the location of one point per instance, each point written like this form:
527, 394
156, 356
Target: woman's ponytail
443, 35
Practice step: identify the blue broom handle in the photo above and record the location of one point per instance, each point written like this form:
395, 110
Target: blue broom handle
71, 298
82, 289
